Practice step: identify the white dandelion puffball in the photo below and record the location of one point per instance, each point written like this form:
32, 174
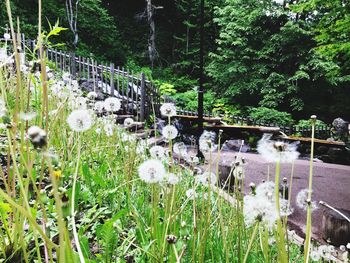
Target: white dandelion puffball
207, 142
207, 178
276, 151
99, 106
2, 108
92, 95
302, 200
258, 209
169, 132
168, 109
112, 104
173, 179
191, 194
27, 116
157, 152
7, 36
180, 149
128, 122
109, 128
80, 120
266, 189
315, 255
152, 171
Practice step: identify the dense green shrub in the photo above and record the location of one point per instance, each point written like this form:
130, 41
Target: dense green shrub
271, 116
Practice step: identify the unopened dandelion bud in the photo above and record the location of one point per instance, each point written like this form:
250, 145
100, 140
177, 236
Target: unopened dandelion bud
220, 132
308, 201
37, 136
342, 248
285, 180
313, 117
171, 239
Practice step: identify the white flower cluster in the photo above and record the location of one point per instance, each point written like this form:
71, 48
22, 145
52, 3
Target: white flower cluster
169, 132
206, 178
322, 252
276, 151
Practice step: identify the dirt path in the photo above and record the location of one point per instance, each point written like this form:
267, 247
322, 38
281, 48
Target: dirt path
331, 183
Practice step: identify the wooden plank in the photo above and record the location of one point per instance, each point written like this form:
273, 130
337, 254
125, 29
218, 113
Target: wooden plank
308, 140
245, 127
195, 118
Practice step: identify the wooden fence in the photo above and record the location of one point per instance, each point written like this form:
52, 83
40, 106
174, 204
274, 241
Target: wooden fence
138, 95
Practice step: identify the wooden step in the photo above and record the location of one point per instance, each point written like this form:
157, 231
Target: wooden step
137, 125
308, 140
230, 128
142, 134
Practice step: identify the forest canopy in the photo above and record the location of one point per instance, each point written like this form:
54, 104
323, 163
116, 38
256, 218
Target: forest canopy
286, 56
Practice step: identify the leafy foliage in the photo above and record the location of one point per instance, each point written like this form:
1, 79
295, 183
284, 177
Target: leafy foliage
271, 116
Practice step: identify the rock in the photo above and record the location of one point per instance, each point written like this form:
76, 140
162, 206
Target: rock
88, 86
335, 227
340, 130
235, 145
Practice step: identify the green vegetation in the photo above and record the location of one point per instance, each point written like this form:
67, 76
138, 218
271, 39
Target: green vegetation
290, 57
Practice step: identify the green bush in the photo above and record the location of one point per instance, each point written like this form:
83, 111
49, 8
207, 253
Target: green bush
271, 116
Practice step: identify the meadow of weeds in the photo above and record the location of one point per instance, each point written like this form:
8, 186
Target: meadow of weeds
77, 187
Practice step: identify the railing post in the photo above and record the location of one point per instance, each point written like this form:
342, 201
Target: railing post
143, 97
111, 68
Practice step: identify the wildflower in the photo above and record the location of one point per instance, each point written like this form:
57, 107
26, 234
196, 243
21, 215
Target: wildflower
265, 189
171, 239
285, 209
169, 132
108, 128
206, 142
57, 173
80, 120
66, 76
315, 255
152, 171
168, 109
128, 122
276, 151
157, 152
141, 147
206, 178
27, 116
302, 200
7, 36
348, 245
259, 209
79, 103
98, 106
191, 194
324, 252
92, 95
180, 149
37, 136
112, 104
2, 108
192, 160
173, 179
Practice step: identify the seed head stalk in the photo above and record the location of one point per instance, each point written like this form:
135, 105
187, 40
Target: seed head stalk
308, 218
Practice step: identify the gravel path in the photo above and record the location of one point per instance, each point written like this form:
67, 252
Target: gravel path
331, 183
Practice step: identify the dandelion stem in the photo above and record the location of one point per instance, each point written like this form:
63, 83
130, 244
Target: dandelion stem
75, 234
256, 227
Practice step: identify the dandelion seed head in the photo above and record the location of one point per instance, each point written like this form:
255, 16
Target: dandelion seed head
128, 122
206, 142
191, 194
206, 178
3, 109
303, 202
168, 109
99, 106
169, 132
265, 189
157, 152
7, 36
28, 116
80, 120
180, 149
173, 178
152, 171
112, 104
259, 209
37, 136
276, 151
315, 255
92, 95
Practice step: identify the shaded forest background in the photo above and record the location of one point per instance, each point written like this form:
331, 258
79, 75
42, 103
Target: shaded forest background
276, 60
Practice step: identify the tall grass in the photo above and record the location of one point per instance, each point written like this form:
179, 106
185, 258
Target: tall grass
79, 197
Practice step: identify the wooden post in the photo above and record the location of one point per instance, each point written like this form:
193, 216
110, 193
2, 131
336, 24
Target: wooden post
111, 67
143, 97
